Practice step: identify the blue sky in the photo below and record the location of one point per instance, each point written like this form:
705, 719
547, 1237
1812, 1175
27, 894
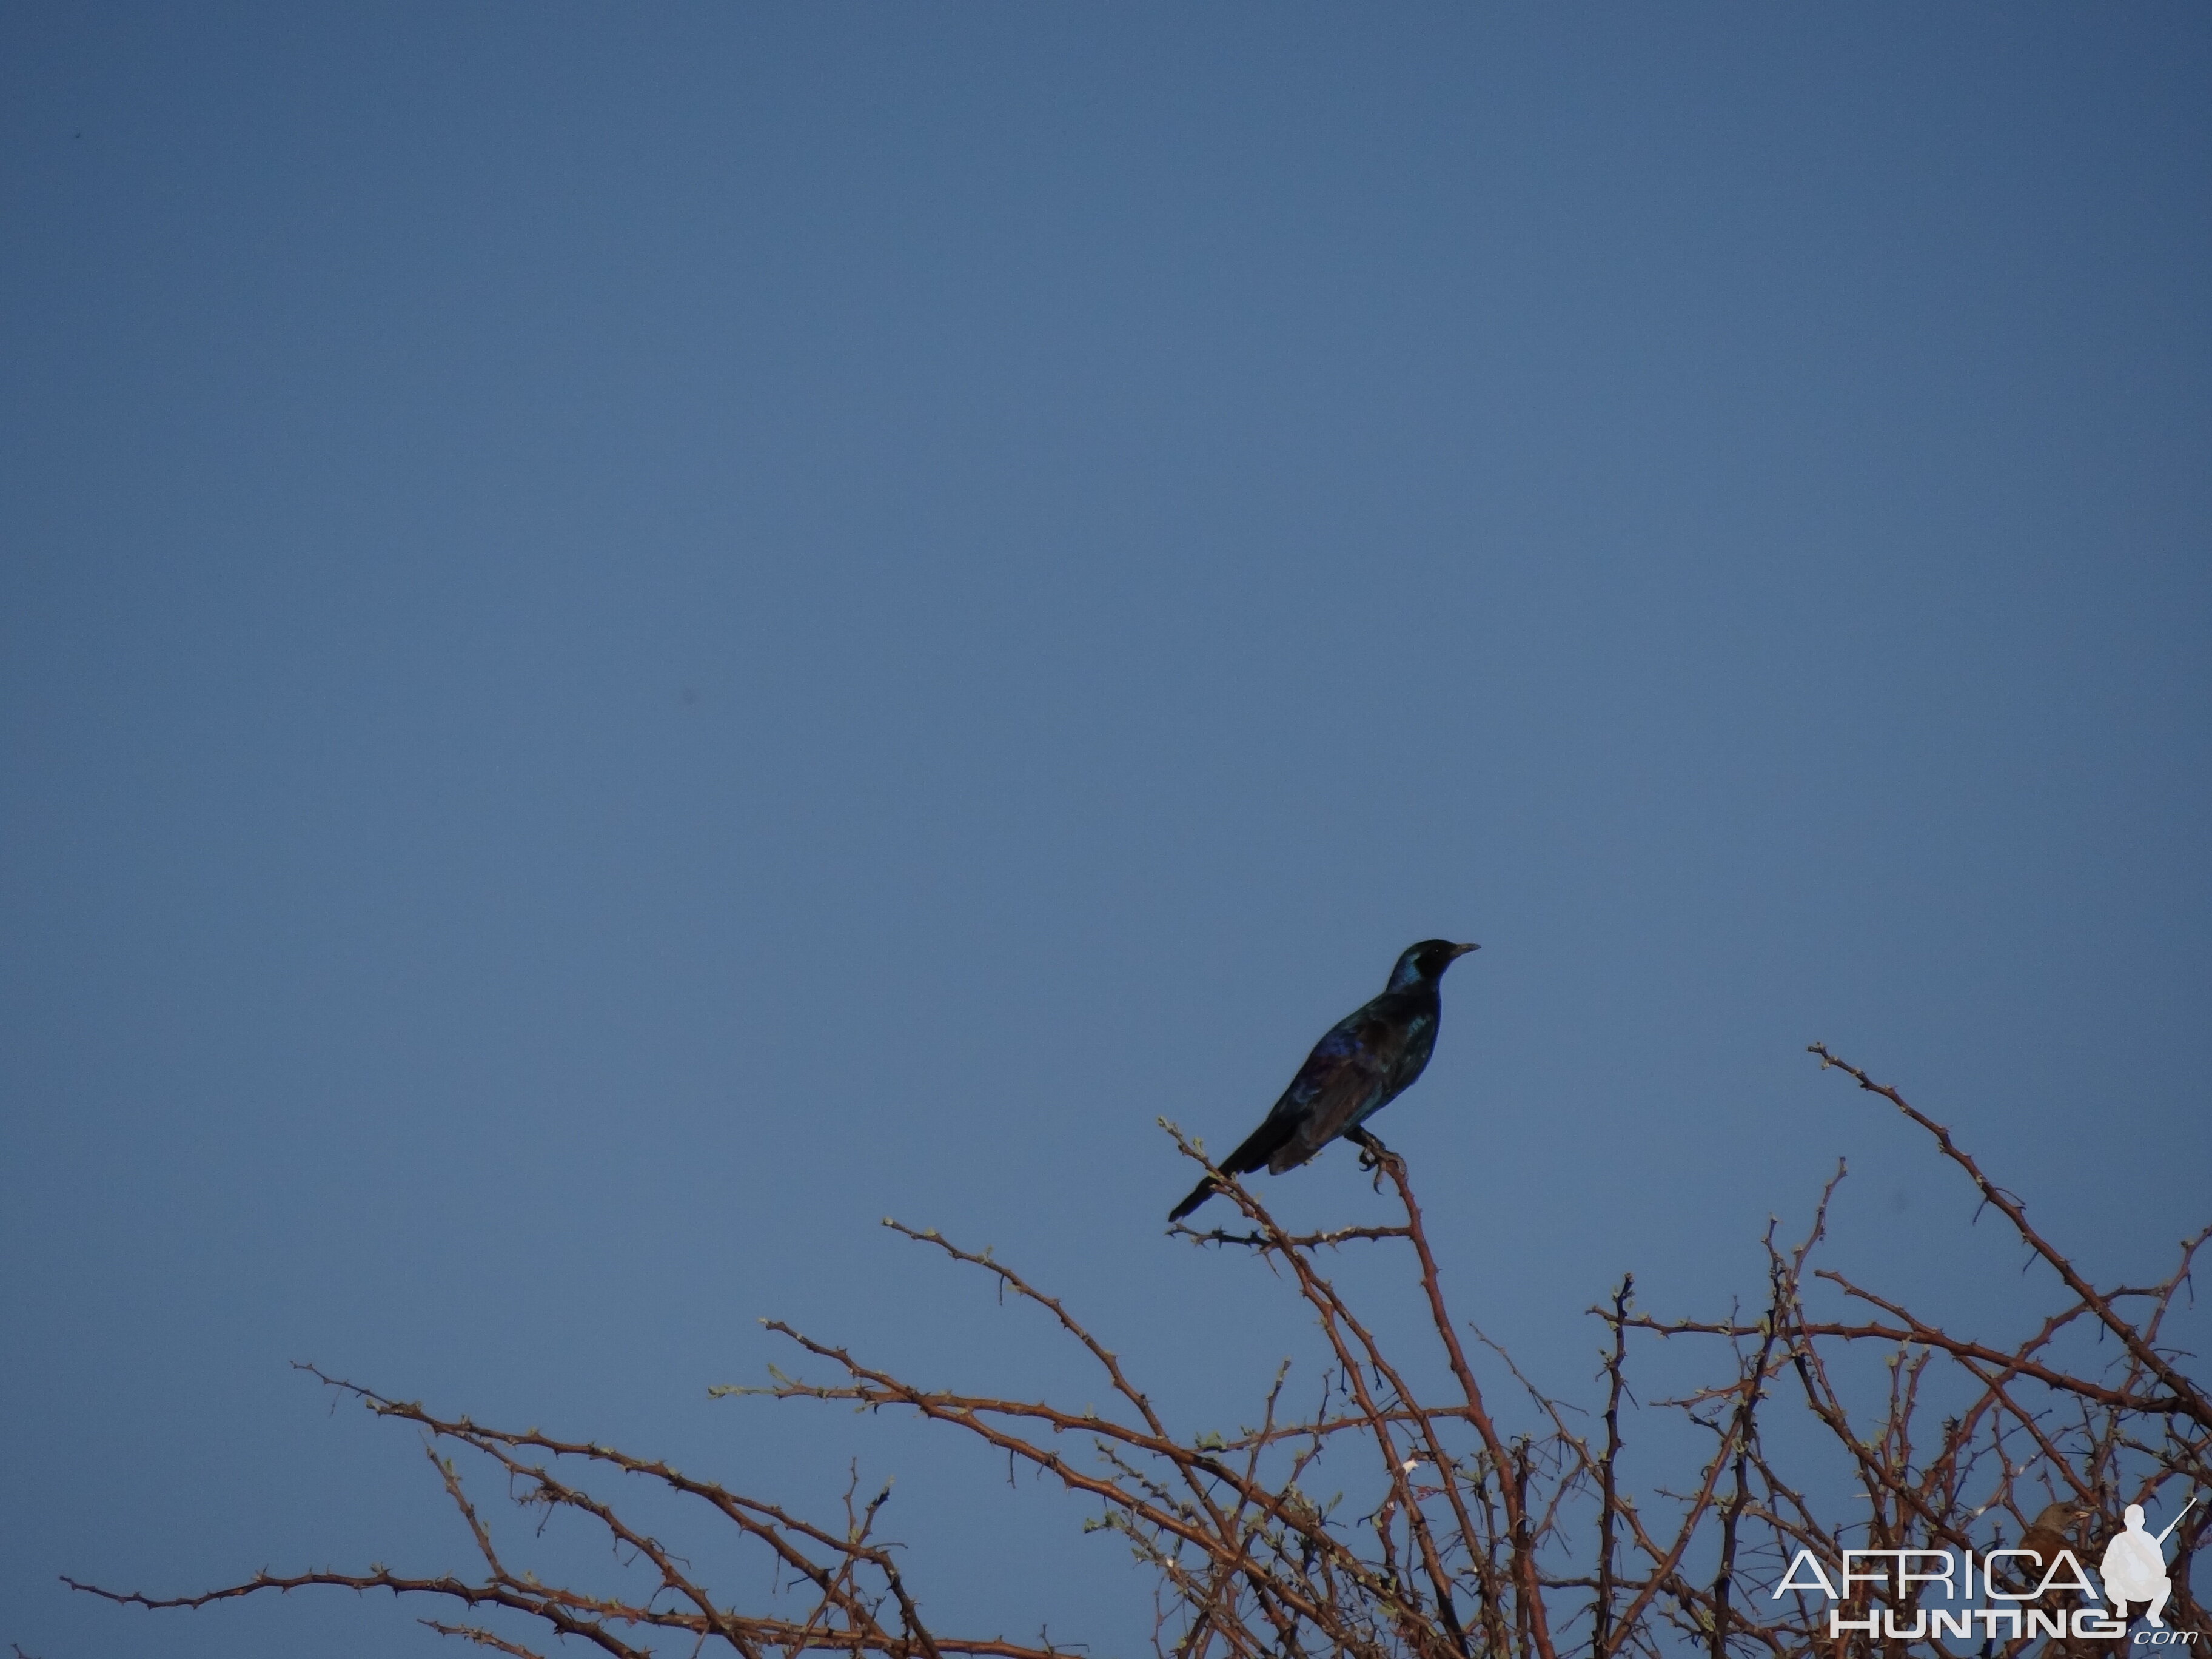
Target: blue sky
630, 639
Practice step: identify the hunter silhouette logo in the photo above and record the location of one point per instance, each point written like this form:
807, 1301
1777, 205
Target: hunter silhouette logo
2133, 1569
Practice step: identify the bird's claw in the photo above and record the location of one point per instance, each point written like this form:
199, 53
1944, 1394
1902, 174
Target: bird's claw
1373, 1154
1378, 1159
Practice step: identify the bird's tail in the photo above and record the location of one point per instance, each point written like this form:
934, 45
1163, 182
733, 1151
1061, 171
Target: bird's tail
1199, 1195
1258, 1146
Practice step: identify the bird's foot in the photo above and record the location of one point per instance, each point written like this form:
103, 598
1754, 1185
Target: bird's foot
1372, 1151
1380, 1161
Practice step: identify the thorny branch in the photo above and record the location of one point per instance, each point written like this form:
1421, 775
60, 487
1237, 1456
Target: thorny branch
1459, 1534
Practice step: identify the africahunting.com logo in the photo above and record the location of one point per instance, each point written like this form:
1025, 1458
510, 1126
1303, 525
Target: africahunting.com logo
2132, 1567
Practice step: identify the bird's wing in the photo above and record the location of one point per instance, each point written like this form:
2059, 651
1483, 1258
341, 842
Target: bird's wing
1339, 1082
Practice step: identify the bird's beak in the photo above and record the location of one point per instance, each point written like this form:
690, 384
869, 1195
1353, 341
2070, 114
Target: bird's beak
1459, 950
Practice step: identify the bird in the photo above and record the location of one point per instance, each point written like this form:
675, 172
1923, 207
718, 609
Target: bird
2051, 1531
1369, 1059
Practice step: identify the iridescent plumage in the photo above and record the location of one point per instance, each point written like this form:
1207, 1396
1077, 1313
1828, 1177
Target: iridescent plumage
1369, 1058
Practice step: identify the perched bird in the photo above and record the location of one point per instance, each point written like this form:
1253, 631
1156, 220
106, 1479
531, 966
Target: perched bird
1369, 1059
2054, 1529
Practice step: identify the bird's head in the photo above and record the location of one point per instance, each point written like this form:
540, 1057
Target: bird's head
1426, 961
2059, 1518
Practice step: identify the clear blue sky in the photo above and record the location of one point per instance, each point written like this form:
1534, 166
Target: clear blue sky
630, 637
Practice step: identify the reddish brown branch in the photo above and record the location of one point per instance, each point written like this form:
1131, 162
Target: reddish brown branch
1467, 1519
2189, 1399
